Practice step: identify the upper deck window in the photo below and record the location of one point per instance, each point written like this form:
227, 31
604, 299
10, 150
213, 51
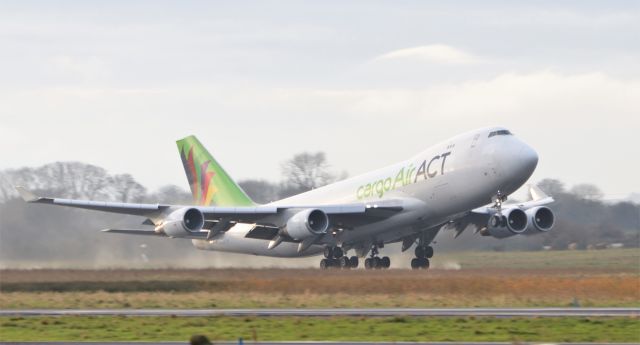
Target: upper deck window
500, 132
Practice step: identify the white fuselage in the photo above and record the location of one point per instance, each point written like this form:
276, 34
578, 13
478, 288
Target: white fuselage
443, 181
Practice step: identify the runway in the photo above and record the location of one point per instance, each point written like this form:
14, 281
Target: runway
300, 343
496, 312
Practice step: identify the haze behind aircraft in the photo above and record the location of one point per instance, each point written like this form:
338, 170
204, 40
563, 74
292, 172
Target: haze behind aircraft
442, 187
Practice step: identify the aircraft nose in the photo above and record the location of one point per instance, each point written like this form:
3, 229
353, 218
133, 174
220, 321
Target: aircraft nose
527, 159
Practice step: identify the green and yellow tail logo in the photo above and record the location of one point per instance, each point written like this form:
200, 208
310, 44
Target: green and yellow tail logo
210, 184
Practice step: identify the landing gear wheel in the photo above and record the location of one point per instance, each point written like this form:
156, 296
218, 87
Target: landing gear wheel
417, 263
424, 263
376, 262
428, 252
324, 264
385, 262
353, 262
367, 263
328, 252
344, 262
337, 252
420, 252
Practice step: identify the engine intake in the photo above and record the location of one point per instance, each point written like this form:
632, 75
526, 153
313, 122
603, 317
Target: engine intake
307, 223
512, 222
542, 220
183, 222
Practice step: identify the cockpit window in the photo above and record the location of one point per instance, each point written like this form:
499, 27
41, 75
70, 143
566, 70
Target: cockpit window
500, 132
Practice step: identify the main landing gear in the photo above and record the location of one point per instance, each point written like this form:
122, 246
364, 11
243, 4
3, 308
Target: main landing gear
376, 262
423, 254
334, 257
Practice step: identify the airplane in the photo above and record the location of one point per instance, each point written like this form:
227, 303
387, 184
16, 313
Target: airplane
461, 183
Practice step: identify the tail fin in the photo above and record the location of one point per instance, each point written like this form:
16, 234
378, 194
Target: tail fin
210, 184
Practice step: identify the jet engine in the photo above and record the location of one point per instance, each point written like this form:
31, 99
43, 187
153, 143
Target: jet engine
183, 222
512, 222
541, 220
307, 223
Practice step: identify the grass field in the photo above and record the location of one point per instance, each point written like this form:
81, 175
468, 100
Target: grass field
577, 280
317, 328
514, 279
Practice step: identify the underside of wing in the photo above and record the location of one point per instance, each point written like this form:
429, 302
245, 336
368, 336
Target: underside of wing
194, 235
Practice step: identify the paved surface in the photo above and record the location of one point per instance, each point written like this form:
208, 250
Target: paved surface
284, 343
498, 312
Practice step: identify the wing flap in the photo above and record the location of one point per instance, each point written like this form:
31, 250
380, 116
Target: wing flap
194, 235
134, 232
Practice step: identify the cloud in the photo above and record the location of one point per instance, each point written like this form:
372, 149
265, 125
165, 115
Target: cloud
433, 53
86, 68
580, 117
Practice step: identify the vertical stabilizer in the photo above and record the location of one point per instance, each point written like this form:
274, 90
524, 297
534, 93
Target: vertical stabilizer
210, 184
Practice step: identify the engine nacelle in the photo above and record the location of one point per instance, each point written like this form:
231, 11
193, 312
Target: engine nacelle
307, 223
512, 222
183, 222
541, 219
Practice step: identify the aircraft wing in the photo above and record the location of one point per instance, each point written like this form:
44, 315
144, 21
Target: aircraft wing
114, 207
347, 214
538, 198
478, 218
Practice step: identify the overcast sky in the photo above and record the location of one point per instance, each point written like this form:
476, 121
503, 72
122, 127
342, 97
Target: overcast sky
115, 83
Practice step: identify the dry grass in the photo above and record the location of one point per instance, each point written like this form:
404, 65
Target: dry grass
307, 288
578, 276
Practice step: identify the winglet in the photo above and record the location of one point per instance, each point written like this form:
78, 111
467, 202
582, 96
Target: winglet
27, 195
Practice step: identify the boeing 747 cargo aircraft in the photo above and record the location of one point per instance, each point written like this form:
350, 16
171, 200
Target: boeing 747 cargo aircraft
458, 184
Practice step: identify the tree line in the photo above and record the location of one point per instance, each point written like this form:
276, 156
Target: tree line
39, 233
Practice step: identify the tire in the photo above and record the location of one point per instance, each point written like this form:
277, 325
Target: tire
420, 252
429, 252
376, 263
353, 261
328, 252
415, 263
324, 264
367, 263
423, 263
385, 262
344, 263
337, 252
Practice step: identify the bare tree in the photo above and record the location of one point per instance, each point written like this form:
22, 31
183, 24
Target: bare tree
587, 191
127, 189
552, 186
306, 171
170, 194
261, 191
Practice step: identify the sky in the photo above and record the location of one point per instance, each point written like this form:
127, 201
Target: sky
115, 83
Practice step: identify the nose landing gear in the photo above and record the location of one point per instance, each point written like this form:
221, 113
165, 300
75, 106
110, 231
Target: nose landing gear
334, 257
